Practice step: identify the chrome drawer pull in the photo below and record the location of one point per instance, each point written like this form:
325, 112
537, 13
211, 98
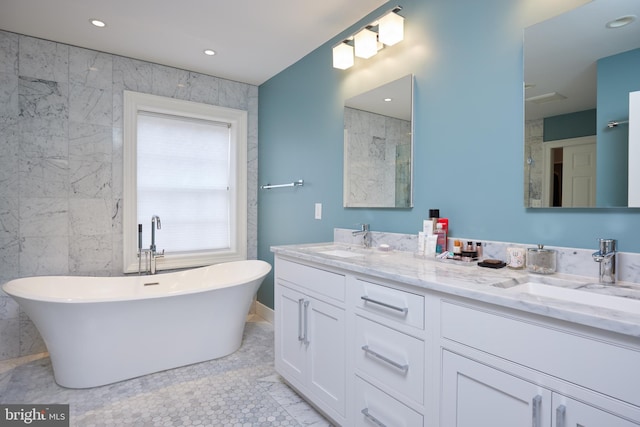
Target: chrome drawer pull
371, 418
384, 304
306, 322
560, 414
300, 335
403, 368
536, 407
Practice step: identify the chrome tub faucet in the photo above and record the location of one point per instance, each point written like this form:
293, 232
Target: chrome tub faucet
154, 255
151, 255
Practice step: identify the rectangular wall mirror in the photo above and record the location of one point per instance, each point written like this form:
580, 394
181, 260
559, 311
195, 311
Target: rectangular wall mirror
378, 147
580, 69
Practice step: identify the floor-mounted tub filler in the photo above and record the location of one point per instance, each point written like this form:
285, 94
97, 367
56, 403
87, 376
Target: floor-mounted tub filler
100, 330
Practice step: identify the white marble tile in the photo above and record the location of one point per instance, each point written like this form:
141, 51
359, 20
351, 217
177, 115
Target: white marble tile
90, 105
9, 258
117, 258
39, 98
9, 155
9, 95
44, 256
42, 217
9, 53
90, 217
9, 215
91, 255
117, 163
90, 160
203, 88
233, 94
44, 113
44, 138
170, 82
132, 74
9, 338
90, 68
8, 307
43, 59
44, 177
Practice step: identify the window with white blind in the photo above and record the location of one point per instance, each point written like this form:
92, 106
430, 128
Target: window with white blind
186, 163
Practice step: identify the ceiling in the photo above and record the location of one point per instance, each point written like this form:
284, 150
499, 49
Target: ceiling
560, 54
253, 39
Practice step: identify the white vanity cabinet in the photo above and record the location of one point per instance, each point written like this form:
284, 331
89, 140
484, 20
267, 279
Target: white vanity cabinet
378, 349
388, 353
502, 370
310, 334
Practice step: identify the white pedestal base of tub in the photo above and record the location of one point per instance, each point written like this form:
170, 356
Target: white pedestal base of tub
101, 330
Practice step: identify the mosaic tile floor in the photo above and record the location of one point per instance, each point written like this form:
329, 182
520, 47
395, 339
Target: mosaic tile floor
241, 389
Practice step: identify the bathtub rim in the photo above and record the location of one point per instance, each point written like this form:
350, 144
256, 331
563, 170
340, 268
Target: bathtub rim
14, 289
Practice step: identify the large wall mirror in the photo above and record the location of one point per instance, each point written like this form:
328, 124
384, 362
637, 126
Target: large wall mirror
581, 69
378, 147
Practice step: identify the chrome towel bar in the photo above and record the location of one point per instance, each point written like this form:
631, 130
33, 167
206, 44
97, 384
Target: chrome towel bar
298, 183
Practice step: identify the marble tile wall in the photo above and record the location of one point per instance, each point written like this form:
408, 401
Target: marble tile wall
61, 161
371, 154
569, 260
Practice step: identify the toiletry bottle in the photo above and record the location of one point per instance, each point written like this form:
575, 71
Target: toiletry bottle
434, 214
442, 239
444, 222
479, 250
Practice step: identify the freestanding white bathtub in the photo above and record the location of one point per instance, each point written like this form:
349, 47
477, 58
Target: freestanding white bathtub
99, 330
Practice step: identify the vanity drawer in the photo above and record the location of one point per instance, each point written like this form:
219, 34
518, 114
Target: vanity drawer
571, 355
393, 304
390, 357
373, 404
320, 281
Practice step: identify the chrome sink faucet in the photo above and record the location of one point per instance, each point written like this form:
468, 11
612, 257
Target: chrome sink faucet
365, 233
606, 257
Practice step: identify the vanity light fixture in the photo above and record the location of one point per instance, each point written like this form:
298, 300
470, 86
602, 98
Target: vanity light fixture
342, 56
391, 29
97, 23
366, 42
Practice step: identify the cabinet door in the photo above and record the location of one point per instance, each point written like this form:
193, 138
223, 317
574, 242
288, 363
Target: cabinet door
290, 348
474, 394
326, 352
571, 413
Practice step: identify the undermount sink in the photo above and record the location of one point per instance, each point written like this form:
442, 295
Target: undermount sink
341, 253
594, 295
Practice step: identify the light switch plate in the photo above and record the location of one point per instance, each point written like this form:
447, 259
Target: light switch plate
318, 211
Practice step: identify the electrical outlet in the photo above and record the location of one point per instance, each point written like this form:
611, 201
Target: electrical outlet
318, 211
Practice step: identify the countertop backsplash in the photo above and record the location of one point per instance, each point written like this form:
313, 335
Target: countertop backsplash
569, 260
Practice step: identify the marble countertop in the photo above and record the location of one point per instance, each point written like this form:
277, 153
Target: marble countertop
494, 286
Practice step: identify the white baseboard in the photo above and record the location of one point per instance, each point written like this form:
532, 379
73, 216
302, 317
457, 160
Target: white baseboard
263, 311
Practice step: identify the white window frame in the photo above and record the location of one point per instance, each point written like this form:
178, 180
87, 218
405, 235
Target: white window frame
134, 102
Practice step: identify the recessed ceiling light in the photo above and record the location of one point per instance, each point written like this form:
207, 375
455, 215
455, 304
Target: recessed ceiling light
98, 23
387, 100
621, 22
209, 52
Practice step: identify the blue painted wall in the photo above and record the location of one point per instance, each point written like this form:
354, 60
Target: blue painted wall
571, 125
617, 76
467, 60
